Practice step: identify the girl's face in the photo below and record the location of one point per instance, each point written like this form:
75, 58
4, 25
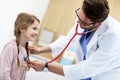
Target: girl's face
31, 32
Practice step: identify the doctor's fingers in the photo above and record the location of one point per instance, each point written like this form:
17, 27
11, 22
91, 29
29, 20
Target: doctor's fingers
34, 67
33, 62
37, 65
34, 50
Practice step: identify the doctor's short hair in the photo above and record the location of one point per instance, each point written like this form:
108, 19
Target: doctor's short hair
96, 10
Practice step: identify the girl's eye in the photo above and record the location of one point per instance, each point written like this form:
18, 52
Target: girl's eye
35, 28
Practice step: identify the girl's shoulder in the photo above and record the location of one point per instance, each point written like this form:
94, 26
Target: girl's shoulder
10, 49
11, 43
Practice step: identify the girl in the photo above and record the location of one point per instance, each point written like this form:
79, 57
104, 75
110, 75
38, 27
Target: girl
14, 57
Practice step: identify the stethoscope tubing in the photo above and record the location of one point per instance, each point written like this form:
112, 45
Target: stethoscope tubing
76, 33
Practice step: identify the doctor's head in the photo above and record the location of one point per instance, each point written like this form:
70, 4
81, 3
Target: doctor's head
92, 13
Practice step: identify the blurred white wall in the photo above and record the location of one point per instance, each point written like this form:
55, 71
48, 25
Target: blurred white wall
9, 9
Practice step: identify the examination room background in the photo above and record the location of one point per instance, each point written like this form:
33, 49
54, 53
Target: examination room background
42, 9
11, 8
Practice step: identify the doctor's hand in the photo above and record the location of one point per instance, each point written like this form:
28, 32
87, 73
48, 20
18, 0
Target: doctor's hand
36, 65
34, 50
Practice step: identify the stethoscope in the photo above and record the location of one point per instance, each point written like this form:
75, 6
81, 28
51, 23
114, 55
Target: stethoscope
26, 58
76, 33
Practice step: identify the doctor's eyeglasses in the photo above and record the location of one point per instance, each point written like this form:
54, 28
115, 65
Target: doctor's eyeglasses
83, 23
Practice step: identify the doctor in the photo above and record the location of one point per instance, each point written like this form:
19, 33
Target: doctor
97, 52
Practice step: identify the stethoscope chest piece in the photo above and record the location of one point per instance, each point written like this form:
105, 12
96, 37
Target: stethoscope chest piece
26, 58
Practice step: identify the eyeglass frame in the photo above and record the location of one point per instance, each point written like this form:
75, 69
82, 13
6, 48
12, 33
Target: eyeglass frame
83, 23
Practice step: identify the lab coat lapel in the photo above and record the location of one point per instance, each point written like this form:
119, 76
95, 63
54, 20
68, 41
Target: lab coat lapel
79, 37
97, 33
79, 51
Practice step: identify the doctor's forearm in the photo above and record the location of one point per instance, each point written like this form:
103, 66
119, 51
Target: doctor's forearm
56, 68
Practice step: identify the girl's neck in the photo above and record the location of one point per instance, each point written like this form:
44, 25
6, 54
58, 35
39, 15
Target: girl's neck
22, 42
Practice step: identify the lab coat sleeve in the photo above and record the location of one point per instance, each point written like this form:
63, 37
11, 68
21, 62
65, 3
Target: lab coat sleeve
7, 57
102, 60
61, 42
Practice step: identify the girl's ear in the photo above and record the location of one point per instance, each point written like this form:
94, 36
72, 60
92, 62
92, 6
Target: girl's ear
22, 30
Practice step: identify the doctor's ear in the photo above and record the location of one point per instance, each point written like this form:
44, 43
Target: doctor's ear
98, 24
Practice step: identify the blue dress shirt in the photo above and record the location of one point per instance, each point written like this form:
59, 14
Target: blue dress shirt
84, 41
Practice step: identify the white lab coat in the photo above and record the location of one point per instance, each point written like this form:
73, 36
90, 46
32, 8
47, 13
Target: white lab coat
103, 53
